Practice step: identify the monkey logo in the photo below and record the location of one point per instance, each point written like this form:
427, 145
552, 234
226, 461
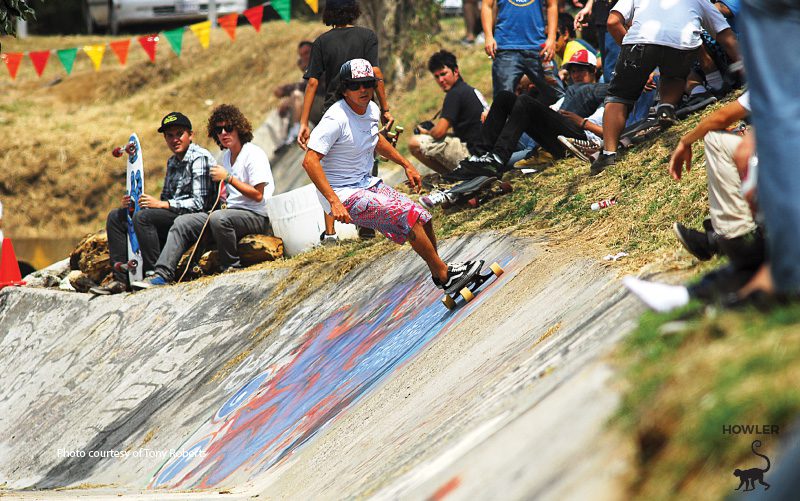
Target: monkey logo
748, 477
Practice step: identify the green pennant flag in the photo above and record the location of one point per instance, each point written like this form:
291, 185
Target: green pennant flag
283, 8
175, 39
67, 58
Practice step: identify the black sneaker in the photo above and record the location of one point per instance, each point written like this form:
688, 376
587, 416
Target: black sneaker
695, 102
602, 162
113, 287
488, 165
665, 113
365, 233
695, 242
458, 275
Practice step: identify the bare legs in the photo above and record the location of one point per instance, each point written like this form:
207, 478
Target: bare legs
423, 241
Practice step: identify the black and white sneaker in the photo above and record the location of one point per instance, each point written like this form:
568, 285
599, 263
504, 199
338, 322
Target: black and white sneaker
602, 161
458, 275
581, 148
488, 165
665, 113
697, 243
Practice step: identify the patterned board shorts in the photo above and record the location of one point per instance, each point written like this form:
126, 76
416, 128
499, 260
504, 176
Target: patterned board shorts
384, 209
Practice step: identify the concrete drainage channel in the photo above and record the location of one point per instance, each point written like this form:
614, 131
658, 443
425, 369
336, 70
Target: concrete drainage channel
369, 389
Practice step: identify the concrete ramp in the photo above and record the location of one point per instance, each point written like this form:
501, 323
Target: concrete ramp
369, 387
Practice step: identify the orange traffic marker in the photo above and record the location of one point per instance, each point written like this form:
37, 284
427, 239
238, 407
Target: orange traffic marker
9, 267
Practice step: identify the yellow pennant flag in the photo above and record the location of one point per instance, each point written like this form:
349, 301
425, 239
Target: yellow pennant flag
95, 53
203, 32
314, 4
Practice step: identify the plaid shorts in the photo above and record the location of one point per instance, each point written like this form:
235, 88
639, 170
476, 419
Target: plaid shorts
384, 209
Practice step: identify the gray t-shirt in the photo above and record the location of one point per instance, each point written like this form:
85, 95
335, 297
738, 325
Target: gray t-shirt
347, 140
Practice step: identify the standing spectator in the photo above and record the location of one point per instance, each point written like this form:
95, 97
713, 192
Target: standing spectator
472, 21
292, 94
519, 46
596, 12
462, 109
767, 25
663, 36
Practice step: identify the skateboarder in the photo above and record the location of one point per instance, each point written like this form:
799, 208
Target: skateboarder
339, 161
188, 188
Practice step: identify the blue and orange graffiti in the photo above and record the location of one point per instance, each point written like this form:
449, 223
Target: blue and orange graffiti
334, 364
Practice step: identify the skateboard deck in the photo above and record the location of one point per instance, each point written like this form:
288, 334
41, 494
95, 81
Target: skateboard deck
134, 185
392, 136
471, 288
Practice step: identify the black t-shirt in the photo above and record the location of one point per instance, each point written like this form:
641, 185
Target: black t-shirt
334, 48
583, 99
463, 108
600, 12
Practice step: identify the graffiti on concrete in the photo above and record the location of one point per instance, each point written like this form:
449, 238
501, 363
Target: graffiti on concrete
334, 364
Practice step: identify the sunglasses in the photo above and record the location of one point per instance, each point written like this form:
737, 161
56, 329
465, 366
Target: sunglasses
369, 84
219, 129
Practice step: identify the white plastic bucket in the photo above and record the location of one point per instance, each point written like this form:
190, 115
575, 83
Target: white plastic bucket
297, 218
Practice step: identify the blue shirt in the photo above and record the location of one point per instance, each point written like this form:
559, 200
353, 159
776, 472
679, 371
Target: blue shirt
520, 25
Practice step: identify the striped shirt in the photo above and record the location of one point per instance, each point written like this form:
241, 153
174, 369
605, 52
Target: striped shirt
187, 185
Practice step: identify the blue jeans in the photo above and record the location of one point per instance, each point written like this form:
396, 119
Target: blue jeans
509, 66
610, 55
772, 78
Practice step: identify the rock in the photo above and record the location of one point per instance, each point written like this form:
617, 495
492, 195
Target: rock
80, 281
254, 249
50, 276
91, 257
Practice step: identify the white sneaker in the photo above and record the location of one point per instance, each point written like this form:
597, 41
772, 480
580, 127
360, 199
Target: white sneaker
658, 296
327, 240
435, 198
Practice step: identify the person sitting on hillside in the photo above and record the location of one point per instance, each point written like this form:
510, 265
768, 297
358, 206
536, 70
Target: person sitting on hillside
188, 190
248, 181
731, 231
654, 34
578, 116
339, 162
461, 110
291, 96
567, 45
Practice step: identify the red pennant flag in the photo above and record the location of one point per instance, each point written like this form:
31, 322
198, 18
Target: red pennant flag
120, 48
228, 23
149, 43
39, 60
12, 60
255, 15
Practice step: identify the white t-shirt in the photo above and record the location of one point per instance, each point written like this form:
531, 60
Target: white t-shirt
673, 23
597, 119
744, 100
252, 167
348, 142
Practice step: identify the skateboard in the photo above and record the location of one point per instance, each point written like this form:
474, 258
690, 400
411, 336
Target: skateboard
472, 193
134, 185
470, 289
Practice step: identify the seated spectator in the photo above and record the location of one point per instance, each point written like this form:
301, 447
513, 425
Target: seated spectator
567, 45
577, 115
461, 111
660, 35
731, 230
339, 162
188, 191
292, 94
248, 180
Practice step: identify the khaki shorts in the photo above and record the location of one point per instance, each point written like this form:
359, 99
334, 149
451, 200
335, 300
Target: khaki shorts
448, 151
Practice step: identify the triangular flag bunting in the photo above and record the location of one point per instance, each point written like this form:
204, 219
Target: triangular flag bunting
121, 48
314, 4
255, 15
95, 53
175, 39
39, 60
12, 60
148, 43
283, 8
67, 58
203, 32
228, 23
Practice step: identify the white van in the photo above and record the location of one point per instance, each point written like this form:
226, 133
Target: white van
111, 14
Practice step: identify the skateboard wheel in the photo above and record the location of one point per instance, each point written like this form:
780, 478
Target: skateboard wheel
467, 294
399, 129
496, 269
448, 302
506, 187
130, 149
472, 202
132, 264
117, 152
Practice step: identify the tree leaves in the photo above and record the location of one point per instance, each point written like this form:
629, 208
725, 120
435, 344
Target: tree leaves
10, 11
